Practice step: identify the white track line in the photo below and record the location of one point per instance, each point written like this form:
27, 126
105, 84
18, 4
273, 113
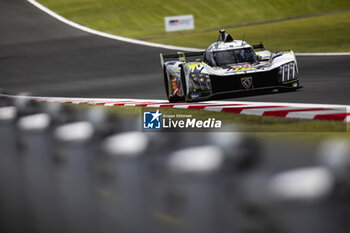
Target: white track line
103, 34
140, 42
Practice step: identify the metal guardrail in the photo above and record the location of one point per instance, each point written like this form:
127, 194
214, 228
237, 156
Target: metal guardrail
71, 170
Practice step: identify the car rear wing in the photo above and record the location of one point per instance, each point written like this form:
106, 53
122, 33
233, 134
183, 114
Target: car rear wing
259, 46
181, 56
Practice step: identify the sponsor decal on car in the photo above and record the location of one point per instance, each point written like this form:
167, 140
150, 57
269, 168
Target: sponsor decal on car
247, 82
196, 95
241, 66
194, 65
243, 69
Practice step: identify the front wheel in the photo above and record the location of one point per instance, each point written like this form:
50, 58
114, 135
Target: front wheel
286, 90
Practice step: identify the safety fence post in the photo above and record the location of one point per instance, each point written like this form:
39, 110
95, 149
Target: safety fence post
37, 165
74, 154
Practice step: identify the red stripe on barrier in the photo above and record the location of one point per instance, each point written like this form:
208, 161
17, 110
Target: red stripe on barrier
115, 103
162, 105
283, 113
129, 102
202, 106
145, 104
334, 117
240, 109
123, 103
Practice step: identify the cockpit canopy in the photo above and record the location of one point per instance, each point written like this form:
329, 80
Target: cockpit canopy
222, 58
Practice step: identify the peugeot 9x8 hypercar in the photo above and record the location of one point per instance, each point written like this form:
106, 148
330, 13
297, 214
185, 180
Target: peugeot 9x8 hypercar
227, 66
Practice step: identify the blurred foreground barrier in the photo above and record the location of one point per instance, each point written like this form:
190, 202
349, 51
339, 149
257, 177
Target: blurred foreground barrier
191, 192
289, 201
335, 155
74, 160
37, 155
73, 170
13, 215
121, 181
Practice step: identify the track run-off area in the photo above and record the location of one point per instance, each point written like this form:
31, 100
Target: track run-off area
44, 56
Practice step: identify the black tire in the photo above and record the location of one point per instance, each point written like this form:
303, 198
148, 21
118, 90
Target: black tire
172, 99
285, 90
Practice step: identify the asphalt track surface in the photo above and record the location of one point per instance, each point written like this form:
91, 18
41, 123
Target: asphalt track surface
42, 56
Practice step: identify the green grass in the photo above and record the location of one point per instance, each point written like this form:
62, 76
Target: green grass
142, 19
329, 33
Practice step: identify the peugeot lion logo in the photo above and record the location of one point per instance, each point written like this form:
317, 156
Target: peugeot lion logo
247, 82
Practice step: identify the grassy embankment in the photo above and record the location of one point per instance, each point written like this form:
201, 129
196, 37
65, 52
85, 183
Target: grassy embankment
324, 25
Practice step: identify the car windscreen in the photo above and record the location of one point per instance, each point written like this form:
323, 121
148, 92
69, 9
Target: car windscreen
228, 57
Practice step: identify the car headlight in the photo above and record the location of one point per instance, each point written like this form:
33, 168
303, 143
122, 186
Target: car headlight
200, 81
287, 72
